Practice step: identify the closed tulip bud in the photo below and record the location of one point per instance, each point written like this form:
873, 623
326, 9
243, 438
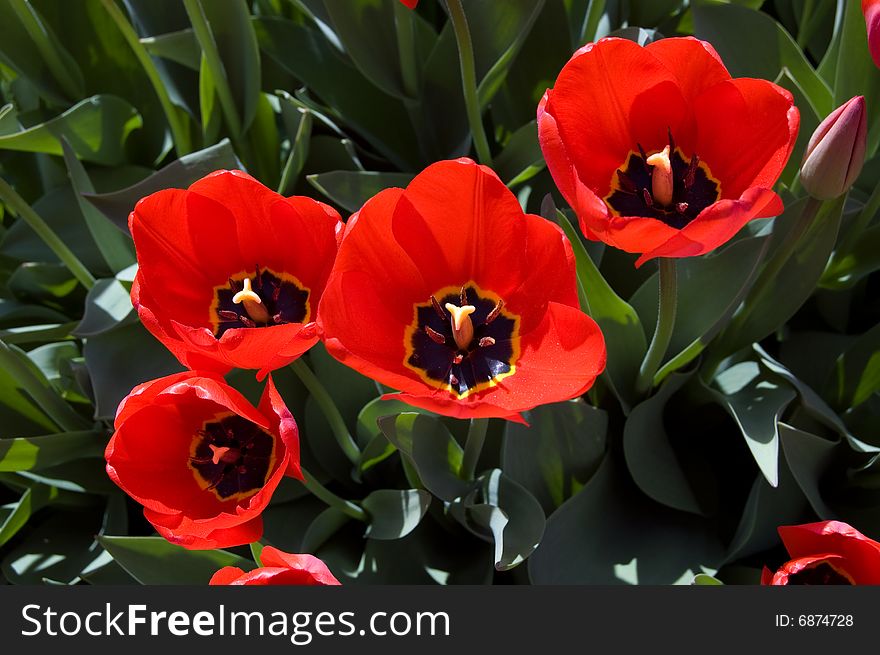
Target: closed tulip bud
836, 151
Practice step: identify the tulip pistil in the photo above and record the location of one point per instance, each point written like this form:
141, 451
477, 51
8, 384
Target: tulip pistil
261, 299
462, 326
253, 305
661, 177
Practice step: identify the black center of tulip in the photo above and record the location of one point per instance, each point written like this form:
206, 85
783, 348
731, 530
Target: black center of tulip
820, 574
233, 456
461, 360
281, 300
633, 190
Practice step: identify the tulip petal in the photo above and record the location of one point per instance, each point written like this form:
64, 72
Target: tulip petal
861, 553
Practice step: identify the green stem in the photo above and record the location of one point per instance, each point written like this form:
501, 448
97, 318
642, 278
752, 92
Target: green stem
212, 57
665, 322
476, 437
469, 80
330, 410
18, 206
406, 48
179, 131
347, 507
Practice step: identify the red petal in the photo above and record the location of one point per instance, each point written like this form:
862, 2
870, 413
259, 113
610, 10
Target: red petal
686, 58
795, 566
717, 224
609, 97
747, 130
238, 535
871, 9
309, 564
272, 404
227, 575
861, 553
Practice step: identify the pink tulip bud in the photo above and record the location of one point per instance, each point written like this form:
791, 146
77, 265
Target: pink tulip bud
836, 151
871, 9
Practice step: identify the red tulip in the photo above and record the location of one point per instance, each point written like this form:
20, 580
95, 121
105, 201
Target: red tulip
201, 459
829, 552
448, 292
410, 3
659, 151
836, 151
278, 568
871, 9
230, 273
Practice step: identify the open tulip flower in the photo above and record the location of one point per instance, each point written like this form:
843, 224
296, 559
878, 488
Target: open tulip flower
826, 553
279, 568
230, 273
201, 459
448, 292
659, 151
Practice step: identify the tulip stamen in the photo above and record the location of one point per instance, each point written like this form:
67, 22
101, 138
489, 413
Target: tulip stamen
438, 309
662, 184
647, 196
462, 326
453, 380
436, 337
495, 312
485, 342
252, 302
681, 207
458, 359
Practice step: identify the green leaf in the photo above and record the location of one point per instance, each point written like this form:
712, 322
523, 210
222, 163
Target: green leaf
395, 513
96, 128
521, 158
809, 457
558, 452
506, 511
431, 449
33, 498
351, 189
114, 371
367, 32
701, 579
756, 402
210, 111
154, 561
177, 175
770, 49
857, 371
863, 259
115, 247
108, 304
652, 461
180, 47
611, 533
35, 453
298, 124
624, 335
700, 316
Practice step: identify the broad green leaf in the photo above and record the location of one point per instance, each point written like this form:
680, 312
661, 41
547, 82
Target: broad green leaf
322, 528
35, 453
809, 457
770, 49
505, 511
306, 54
701, 579
33, 498
179, 174
265, 144
395, 513
558, 452
756, 402
521, 158
650, 457
52, 285
154, 561
180, 47
96, 128
210, 110
120, 359
624, 335
108, 304
367, 32
611, 533
845, 271
351, 189
431, 449
857, 371
115, 247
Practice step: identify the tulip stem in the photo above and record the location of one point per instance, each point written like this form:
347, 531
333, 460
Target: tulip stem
406, 48
347, 507
665, 322
330, 410
18, 206
473, 446
469, 79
